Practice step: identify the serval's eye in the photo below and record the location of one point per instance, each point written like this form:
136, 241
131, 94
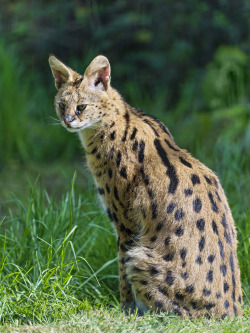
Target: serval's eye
62, 107
81, 107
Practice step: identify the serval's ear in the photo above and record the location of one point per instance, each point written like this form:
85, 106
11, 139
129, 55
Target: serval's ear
98, 74
61, 72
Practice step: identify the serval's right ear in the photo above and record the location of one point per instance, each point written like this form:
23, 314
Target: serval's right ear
61, 72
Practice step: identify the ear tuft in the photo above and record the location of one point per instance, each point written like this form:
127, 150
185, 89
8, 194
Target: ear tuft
98, 73
61, 72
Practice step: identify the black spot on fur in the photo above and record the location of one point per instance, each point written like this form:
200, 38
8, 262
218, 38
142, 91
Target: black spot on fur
107, 188
101, 191
206, 292
148, 296
167, 241
213, 203
211, 258
208, 180
226, 287
116, 193
93, 151
109, 214
133, 133
159, 227
209, 306
223, 269
179, 231
170, 207
154, 211
150, 194
195, 179
232, 262
224, 316
190, 289
179, 214
197, 205
201, 243
226, 304
185, 275
200, 224
110, 173
144, 282
135, 145
239, 299
224, 221
123, 248
122, 227
194, 305
151, 125
183, 253
186, 163
209, 276
235, 311
158, 304
112, 135
170, 279
171, 172
126, 259
153, 239
218, 197
153, 270
179, 296
222, 254
115, 217
123, 172
198, 260
214, 226
168, 257
118, 158
144, 176
170, 146
218, 295
188, 192
141, 151
227, 237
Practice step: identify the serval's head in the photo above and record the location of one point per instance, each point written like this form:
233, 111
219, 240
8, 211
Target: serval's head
82, 100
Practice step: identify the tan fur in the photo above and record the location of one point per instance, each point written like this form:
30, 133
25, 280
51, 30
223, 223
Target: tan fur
176, 234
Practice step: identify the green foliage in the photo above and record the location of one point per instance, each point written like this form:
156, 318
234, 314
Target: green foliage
14, 96
55, 254
227, 79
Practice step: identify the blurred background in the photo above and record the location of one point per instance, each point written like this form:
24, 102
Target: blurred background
185, 62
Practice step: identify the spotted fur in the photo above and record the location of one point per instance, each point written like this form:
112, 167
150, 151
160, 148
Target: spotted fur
176, 235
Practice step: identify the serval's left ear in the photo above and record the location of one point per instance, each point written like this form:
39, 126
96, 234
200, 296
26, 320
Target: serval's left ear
61, 72
98, 74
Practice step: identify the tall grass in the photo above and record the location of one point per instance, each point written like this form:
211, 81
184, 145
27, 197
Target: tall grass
55, 254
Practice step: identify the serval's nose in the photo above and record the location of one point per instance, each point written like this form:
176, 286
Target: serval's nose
68, 119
